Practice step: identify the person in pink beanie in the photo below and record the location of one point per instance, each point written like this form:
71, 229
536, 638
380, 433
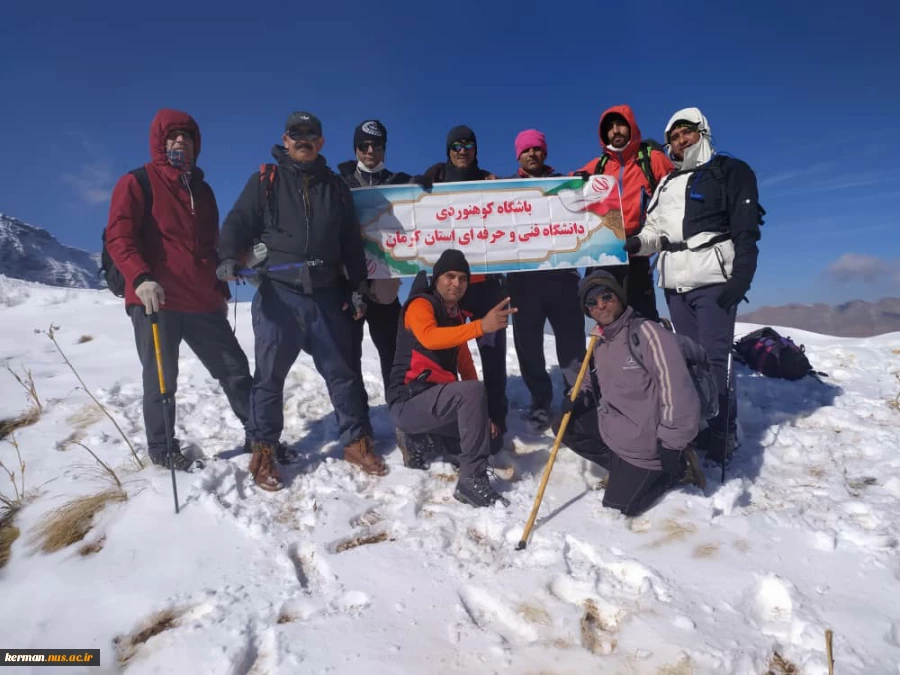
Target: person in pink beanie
541, 296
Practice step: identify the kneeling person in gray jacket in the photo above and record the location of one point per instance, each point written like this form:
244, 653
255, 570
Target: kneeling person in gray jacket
640, 427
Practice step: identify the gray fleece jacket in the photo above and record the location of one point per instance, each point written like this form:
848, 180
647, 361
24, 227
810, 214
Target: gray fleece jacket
639, 409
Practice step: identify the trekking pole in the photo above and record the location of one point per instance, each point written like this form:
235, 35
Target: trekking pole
573, 394
727, 415
166, 399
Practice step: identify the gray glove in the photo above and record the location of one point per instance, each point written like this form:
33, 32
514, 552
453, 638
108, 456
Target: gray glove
359, 304
225, 270
152, 295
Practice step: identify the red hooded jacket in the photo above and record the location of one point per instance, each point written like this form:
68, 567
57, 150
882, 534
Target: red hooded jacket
623, 165
177, 248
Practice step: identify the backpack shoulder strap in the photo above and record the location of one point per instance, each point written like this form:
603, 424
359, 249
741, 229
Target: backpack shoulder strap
266, 184
601, 164
643, 160
143, 180
634, 342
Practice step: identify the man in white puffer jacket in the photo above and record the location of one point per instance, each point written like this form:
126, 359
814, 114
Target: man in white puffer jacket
704, 220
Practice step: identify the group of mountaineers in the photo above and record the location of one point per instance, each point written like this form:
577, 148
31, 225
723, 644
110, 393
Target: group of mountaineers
637, 412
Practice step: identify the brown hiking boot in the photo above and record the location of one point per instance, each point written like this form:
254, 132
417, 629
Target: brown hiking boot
694, 474
263, 466
360, 452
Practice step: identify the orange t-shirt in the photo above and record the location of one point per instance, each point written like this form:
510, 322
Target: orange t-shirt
421, 321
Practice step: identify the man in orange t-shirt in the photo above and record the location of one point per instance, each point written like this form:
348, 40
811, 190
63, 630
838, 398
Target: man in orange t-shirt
429, 403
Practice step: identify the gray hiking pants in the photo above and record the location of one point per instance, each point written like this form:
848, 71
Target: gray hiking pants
210, 337
457, 410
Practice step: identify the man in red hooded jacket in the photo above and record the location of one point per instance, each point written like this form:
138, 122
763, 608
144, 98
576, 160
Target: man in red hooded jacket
168, 259
633, 163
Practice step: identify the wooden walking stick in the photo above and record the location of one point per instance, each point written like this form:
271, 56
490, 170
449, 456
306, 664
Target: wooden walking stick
562, 430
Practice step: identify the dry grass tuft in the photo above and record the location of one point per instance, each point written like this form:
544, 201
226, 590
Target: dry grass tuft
362, 540
92, 547
592, 627
534, 614
285, 616
51, 333
127, 645
675, 531
26, 381
778, 665
683, 667
85, 338
8, 533
706, 550
26, 419
71, 522
445, 477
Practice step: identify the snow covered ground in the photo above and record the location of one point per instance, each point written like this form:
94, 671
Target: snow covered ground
802, 537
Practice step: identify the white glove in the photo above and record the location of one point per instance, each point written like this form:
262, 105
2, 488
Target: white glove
152, 295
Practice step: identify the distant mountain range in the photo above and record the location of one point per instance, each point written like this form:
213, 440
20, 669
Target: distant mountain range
33, 254
857, 318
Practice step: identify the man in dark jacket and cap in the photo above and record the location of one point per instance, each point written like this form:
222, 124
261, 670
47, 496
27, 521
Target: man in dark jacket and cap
167, 256
636, 421
485, 291
303, 213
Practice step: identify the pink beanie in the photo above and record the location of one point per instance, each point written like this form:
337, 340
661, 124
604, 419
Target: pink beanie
530, 138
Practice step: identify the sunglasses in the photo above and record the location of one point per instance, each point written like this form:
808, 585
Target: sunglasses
458, 146
364, 147
298, 135
596, 300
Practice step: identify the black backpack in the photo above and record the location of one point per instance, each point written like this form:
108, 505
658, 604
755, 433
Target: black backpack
695, 359
108, 271
768, 352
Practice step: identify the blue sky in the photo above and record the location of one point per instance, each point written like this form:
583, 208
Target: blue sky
808, 98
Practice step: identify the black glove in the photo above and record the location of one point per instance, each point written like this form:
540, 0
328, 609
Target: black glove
427, 182
632, 245
732, 293
225, 270
583, 175
579, 406
671, 462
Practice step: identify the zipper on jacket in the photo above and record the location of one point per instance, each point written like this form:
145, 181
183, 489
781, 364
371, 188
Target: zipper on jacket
307, 209
187, 185
721, 260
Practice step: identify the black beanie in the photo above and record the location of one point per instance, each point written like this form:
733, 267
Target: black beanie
460, 133
600, 279
370, 130
451, 260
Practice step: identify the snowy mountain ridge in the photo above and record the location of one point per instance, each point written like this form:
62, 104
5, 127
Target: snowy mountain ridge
33, 254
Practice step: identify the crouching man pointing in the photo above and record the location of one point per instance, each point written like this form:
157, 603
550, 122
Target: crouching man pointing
426, 396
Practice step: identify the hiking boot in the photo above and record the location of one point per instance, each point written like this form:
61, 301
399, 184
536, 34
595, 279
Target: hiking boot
361, 453
693, 474
176, 459
263, 466
415, 449
719, 446
478, 492
538, 421
286, 455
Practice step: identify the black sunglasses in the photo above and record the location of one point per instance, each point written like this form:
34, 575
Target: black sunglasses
605, 297
364, 147
456, 146
298, 135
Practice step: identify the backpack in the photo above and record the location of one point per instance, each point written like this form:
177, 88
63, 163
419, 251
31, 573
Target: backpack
108, 271
695, 359
773, 355
643, 160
